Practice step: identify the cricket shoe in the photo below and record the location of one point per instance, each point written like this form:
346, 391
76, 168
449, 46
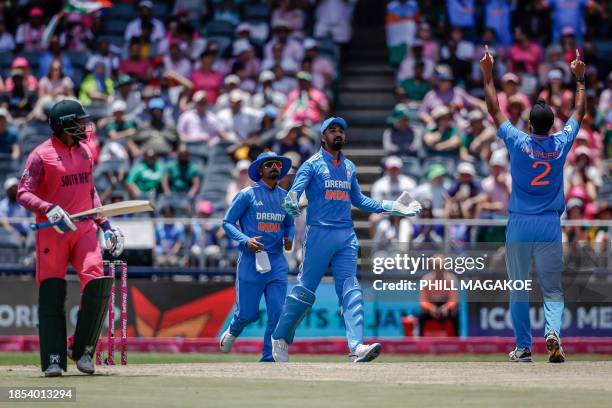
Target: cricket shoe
54, 370
520, 355
280, 350
227, 342
553, 345
365, 352
85, 364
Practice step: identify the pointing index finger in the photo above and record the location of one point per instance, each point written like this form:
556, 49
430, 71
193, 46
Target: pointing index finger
486, 49
577, 54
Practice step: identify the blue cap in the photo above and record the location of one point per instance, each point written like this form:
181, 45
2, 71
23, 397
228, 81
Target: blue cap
157, 103
264, 157
334, 120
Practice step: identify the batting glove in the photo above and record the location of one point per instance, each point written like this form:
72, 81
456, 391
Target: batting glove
60, 220
114, 240
291, 207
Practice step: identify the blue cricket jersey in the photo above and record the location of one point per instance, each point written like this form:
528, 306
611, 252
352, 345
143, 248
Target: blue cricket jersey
258, 211
536, 166
331, 187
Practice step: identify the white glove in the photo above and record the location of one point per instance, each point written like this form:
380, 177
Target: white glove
60, 219
115, 241
404, 206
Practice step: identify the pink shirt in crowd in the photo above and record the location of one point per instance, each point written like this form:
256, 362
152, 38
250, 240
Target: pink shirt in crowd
531, 57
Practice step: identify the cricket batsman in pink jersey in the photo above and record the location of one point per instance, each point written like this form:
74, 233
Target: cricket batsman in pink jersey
58, 181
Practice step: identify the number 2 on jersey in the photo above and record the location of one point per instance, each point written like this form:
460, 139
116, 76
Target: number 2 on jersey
537, 181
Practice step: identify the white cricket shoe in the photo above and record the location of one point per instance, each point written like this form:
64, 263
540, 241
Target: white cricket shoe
520, 355
54, 370
365, 352
85, 364
553, 345
227, 342
280, 350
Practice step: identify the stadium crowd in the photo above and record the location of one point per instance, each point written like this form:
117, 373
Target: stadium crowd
185, 93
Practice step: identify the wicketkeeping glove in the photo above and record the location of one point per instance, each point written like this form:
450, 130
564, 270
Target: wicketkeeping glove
290, 206
60, 219
404, 206
115, 241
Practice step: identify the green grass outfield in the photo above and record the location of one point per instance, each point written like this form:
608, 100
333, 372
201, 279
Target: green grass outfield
237, 380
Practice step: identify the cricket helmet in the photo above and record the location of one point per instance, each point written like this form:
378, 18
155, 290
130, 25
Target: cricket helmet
69, 116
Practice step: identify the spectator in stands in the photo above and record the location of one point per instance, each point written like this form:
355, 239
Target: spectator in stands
10, 208
477, 141
288, 12
498, 16
431, 49
461, 13
306, 104
238, 120
321, 65
205, 235
291, 49
205, 78
443, 138
8, 137
240, 180
122, 130
416, 87
555, 94
401, 138
244, 52
461, 67
401, 21
389, 187
31, 83
583, 174
176, 61
567, 14
182, 176
54, 52
434, 189
127, 94
7, 41
445, 94
516, 109
266, 95
407, 69
19, 100
230, 83
244, 31
156, 134
333, 19
199, 124
457, 48
284, 80
96, 87
29, 34
103, 54
227, 10
427, 234
290, 139
144, 178
135, 65
134, 27
554, 61
463, 195
496, 187
438, 302
524, 52
54, 86
510, 88
169, 238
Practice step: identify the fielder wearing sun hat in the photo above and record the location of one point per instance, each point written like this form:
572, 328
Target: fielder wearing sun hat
269, 156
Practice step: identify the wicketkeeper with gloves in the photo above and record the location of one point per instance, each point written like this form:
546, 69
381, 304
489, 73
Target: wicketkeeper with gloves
330, 182
58, 181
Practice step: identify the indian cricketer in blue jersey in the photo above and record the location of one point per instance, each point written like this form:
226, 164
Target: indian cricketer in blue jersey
330, 182
265, 229
533, 233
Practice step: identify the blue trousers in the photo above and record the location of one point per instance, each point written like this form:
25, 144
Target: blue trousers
250, 286
529, 239
329, 247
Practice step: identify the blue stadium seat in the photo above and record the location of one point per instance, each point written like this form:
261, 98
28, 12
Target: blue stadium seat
181, 204
114, 26
6, 59
78, 58
219, 28
260, 12
33, 59
115, 40
120, 10
160, 10
199, 150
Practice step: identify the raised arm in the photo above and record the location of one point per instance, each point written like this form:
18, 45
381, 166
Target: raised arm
578, 68
486, 65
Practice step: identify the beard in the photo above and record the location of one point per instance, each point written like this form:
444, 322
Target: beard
335, 144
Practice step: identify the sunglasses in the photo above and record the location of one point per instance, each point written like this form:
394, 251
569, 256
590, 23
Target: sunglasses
272, 164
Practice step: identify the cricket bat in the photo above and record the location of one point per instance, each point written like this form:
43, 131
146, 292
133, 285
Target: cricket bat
109, 210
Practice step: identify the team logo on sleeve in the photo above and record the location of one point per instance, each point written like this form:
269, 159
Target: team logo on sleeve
26, 174
568, 128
